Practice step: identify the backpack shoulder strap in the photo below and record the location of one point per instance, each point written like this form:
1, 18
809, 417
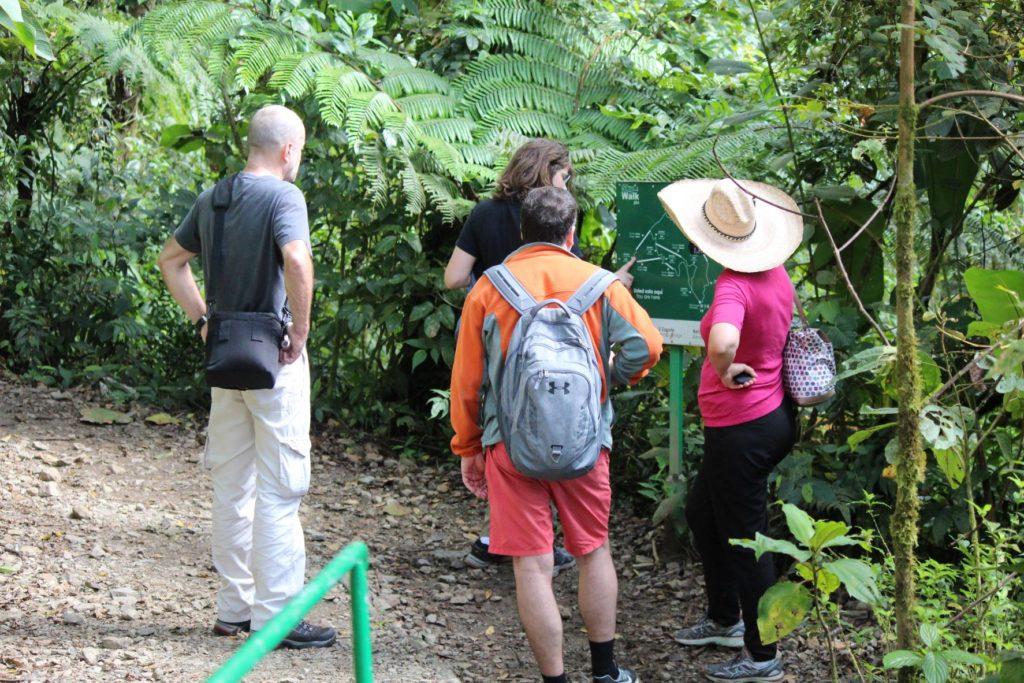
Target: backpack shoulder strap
510, 288
590, 291
222, 192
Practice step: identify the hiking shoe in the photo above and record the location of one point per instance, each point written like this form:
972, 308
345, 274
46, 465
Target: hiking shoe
743, 669
563, 561
707, 632
625, 676
307, 635
230, 628
479, 556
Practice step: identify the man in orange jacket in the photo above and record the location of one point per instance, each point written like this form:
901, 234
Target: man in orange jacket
521, 518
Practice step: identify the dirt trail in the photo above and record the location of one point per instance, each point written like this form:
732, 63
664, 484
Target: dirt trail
105, 572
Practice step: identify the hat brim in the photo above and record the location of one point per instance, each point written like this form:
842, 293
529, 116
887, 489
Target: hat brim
777, 233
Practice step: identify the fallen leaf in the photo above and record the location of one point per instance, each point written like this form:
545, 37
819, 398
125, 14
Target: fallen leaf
163, 419
396, 510
104, 416
489, 631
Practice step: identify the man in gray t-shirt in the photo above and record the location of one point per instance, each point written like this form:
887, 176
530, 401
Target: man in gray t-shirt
266, 214
257, 443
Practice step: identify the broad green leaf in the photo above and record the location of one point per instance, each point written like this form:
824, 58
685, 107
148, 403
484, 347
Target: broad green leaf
834, 192
867, 360
997, 293
781, 609
728, 67
763, 544
4, 569
963, 657
862, 435
897, 659
170, 135
859, 579
825, 531
800, 523
418, 358
162, 419
929, 634
951, 464
667, 506
103, 416
827, 582
935, 668
13, 9
421, 311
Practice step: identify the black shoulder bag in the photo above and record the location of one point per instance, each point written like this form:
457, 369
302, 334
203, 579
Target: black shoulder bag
241, 347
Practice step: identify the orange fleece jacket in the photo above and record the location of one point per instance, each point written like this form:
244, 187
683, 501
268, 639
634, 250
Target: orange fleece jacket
547, 272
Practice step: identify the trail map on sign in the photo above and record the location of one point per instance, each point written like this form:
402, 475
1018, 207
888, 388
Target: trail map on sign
674, 281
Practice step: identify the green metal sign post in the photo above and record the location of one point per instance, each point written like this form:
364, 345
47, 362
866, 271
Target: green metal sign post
354, 558
673, 281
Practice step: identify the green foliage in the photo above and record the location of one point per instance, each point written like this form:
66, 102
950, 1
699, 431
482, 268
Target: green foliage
783, 608
934, 663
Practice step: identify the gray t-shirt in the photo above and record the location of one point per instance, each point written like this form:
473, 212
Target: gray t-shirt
266, 213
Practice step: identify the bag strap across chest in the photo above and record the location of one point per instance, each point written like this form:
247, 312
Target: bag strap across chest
222, 193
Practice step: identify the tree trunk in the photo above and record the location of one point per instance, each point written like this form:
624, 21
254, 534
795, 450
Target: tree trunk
910, 459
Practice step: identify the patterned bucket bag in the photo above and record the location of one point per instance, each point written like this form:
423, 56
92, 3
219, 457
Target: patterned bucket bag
808, 363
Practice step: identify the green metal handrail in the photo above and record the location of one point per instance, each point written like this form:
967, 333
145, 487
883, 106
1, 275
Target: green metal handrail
355, 558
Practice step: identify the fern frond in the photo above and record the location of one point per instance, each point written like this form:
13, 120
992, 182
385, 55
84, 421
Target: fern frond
263, 46
620, 130
382, 61
413, 81
333, 89
364, 112
504, 68
412, 190
180, 26
525, 96
296, 74
428, 106
448, 129
525, 123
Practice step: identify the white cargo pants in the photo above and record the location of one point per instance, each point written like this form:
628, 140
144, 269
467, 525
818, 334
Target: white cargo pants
257, 450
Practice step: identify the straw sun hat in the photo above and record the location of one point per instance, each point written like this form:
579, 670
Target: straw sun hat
741, 232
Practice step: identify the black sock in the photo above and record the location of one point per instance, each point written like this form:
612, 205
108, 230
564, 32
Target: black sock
560, 678
602, 659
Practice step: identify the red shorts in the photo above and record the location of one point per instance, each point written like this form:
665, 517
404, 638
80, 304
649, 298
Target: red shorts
521, 523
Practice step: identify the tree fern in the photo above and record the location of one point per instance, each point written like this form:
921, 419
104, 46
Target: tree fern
296, 74
261, 47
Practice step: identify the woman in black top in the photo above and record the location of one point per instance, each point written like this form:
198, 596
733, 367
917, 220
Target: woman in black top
491, 232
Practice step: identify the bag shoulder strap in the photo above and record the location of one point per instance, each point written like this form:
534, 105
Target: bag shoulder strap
590, 291
222, 192
510, 288
800, 307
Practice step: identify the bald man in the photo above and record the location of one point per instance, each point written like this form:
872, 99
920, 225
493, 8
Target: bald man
257, 444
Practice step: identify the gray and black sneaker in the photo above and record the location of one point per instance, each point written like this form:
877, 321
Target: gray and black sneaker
625, 676
480, 556
743, 669
306, 635
563, 561
230, 628
707, 632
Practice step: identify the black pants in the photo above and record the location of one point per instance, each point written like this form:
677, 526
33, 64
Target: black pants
729, 499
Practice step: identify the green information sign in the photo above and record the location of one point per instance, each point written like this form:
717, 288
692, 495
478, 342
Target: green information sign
673, 281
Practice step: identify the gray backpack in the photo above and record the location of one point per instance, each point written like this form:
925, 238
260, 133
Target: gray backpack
549, 398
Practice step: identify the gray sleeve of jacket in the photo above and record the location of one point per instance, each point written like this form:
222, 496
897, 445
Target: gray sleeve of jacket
633, 352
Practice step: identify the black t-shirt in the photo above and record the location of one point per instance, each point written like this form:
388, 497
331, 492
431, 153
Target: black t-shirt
491, 232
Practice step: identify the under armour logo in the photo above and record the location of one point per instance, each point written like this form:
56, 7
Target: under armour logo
552, 386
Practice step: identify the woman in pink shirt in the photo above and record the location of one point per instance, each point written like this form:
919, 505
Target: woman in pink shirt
749, 422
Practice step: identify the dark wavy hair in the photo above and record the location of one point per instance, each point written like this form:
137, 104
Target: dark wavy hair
533, 165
